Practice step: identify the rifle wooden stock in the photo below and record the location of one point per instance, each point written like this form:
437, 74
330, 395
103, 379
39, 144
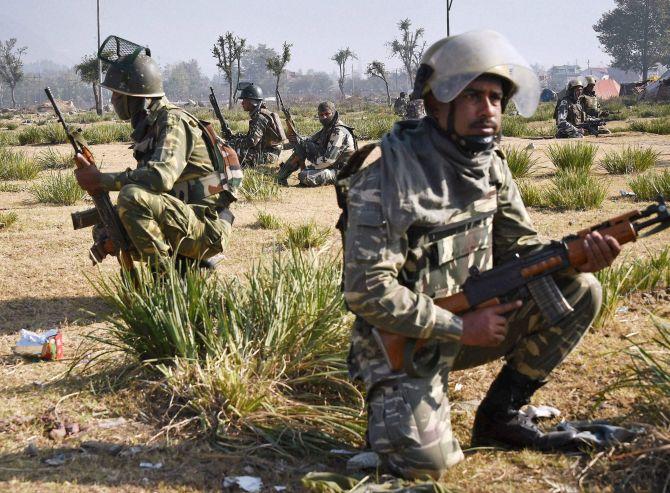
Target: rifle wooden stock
621, 228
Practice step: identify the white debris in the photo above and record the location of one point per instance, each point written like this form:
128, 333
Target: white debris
339, 451
107, 424
541, 412
30, 343
458, 387
250, 484
151, 465
622, 309
364, 460
280, 488
626, 193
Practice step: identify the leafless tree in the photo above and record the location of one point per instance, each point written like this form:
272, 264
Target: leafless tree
276, 64
378, 69
11, 65
228, 52
341, 57
409, 48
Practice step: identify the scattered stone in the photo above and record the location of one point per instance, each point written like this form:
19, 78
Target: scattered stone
530, 147
108, 424
250, 484
622, 309
364, 460
96, 447
31, 450
626, 193
248, 469
58, 434
151, 465
56, 460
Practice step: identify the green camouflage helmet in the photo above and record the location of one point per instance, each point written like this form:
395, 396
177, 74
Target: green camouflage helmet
131, 70
575, 83
590, 80
251, 91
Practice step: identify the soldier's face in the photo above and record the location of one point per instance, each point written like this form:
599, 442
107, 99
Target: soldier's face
478, 108
325, 116
247, 105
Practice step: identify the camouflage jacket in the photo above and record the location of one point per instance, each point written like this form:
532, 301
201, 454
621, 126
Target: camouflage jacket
390, 280
590, 104
170, 149
400, 106
261, 134
329, 146
568, 115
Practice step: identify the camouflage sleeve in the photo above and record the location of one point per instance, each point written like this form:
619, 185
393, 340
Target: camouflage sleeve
513, 231
372, 263
257, 128
562, 122
334, 148
167, 161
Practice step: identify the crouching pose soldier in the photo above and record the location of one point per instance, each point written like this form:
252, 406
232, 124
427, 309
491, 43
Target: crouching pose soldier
326, 150
177, 199
262, 143
569, 112
433, 200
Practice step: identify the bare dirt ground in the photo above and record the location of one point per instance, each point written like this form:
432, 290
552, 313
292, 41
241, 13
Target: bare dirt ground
44, 282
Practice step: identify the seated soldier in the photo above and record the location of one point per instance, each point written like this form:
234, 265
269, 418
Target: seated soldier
569, 112
400, 105
591, 104
262, 142
326, 150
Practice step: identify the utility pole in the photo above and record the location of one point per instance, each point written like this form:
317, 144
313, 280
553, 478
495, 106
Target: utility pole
449, 2
99, 108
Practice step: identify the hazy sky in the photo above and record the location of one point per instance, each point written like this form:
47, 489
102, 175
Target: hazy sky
545, 31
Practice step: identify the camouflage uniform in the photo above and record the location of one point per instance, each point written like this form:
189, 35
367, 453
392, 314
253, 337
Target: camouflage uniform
326, 150
261, 144
569, 113
392, 276
160, 205
400, 106
591, 106
415, 110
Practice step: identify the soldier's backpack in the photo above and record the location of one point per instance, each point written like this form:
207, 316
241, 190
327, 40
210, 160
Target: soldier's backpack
276, 128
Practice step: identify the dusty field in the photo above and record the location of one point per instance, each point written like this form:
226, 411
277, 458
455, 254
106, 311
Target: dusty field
44, 282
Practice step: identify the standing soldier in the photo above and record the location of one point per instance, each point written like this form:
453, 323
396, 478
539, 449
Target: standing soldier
263, 141
400, 105
569, 112
326, 150
433, 200
177, 199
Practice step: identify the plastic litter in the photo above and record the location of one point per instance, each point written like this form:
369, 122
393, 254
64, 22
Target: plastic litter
626, 193
45, 345
250, 484
151, 465
541, 412
364, 460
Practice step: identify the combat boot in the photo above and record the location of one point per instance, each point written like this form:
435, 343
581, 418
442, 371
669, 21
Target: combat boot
285, 170
499, 421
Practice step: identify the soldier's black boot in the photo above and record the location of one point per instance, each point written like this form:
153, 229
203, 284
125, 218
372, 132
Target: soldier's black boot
285, 170
499, 422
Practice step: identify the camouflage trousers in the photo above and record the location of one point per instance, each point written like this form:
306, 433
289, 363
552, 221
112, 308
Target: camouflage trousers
159, 224
567, 131
408, 418
308, 177
254, 157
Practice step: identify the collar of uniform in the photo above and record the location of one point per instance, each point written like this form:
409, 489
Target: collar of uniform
153, 111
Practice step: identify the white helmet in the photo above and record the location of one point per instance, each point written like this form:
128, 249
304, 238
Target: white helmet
452, 63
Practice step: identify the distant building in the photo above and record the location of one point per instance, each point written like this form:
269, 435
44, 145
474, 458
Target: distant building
559, 76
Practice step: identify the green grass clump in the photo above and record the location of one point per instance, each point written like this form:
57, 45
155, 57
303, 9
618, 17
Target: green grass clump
7, 219
58, 189
52, 133
15, 165
12, 126
575, 190
52, 159
577, 156
520, 161
532, 195
514, 126
9, 139
630, 160
106, 133
659, 126
641, 274
268, 221
305, 236
261, 361
9, 187
259, 184
650, 185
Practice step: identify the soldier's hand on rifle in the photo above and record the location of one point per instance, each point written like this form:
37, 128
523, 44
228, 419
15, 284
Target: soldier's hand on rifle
600, 252
487, 326
88, 175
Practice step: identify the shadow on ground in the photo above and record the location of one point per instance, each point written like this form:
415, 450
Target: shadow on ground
42, 313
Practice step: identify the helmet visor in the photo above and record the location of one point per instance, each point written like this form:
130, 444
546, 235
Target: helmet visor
463, 58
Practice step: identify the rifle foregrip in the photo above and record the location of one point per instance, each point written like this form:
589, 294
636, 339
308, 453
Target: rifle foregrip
623, 232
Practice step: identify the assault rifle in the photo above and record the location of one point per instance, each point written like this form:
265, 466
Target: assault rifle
226, 132
115, 237
291, 130
591, 125
518, 278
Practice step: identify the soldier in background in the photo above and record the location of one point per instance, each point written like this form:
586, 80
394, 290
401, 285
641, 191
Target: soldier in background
400, 105
166, 204
415, 109
326, 150
569, 112
263, 141
591, 104
433, 200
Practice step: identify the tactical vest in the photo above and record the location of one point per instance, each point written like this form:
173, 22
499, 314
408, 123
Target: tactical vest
440, 257
223, 182
589, 104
